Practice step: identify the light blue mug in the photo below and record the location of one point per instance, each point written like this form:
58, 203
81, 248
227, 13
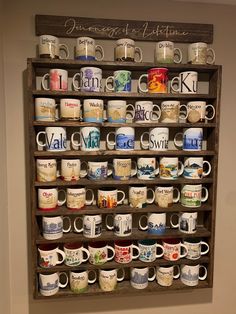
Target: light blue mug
124, 138
156, 223
191, 139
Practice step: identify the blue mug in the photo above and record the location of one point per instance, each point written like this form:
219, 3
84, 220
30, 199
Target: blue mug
121, 81
156, 223
191, 139
124, 138
148, 250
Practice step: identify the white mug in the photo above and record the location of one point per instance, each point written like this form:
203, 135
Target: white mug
99, 253
191, 139
165, 275
49, 255
190, 274
124, 168
90, 80
155, 223
98, 170
89, 139
138, 196
74, 254
92, 225
164, 196
198, 53
49, 284
187, 222
93, 110
172, 249
170, 168
187, 82
158, 139
170, 111
191, 195
124, 138
55, 139
45, 109
195, 248
79, 280
46, 170
122, 224
108, 197
139, 277
148, 250
58, 80
108, 278
48, 198
124, 251
53, 227
193, 168
197, 111
71, 170
86, 49
76, 197
147, 168
125, 50
144, 112
165, 52
49, 47
70, 109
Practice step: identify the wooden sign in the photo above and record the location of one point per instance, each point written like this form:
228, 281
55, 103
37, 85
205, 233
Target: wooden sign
68, 26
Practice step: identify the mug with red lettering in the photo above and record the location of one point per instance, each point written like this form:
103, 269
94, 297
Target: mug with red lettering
70, 109
172, 249
48, 199
157, 81
124, 251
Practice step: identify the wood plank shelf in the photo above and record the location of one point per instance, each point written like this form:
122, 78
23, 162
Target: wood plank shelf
93, 209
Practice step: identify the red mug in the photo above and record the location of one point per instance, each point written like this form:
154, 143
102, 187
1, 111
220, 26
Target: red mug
157, 81
124, 251
172, 249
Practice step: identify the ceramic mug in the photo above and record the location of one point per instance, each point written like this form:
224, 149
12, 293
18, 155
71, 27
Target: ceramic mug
90, 80
198, 111
147, 168
198, 53
71, 170
124, 168
191, 195
121, 224
187, 222
55, 139
45, 109
48, 198
108, 197
91, 225
166, 274
170, 168
93, 110
170, 111
124, 138
49, 255
164, 196
58, 80
74, 254
195, 248
165, 52
108, 278
193, 168
76, 198
121, 81
46, 170
99, 253
138, 196
49, 284
157, 81
70, 109
187, 82
89, 139
145, 112
190, 274
148, 250
140, 276
126, 50
49, 47
98, 170
190, 140
124, 251
172, 249
155, 223
157, 139
117, 111
79, 280
52, 227
86, 49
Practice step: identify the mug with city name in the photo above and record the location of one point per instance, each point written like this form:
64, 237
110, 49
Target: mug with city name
124, 251
170, 168
45, 109
76, 197
198, 111
75, 254
71, 170
187, 222
147, 168
89, 80
166, 274
174, 249
50, 47
170, 111
187, 83
118, 111
124, 168
124, 138
91, 225
145, 112
126, 50
55, 139
158, 139
58, 80
87, 50
164, 195
191, 195
121, 224
108, 278
108, 197
193, 168
155, 223
98, 170
50, 198
89, 139
46, 170
199, 53
93, 110
79, 280
165, 52
190, 139
157, 81
138, 196
70, 109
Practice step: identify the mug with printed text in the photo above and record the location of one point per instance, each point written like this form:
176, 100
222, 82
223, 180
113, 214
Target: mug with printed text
140, 276
166, 274
170, 168
93, 110
45, 109
49, 284
49, 255
191, 195
124, 251
108, 197
126, 50
195, 248
121, 224
138, 196
89, 80
158, 139
155, 223
187, 222
71, 170
108, 278
117, 111
70, 109
190, 274
173, 248
191, 139
124, 138
55, 139
147, 168
46, 170
89, 139
49, 47
58, 80
164, 196
145, 112
53, 227
79, 280
157, 81
170, 111
86, 49
165, 52
198, 53
98, 170
198, 111
148, 250
48, 198
99, 253
76, 198
74, 254
124, 168
187, 83
91, 225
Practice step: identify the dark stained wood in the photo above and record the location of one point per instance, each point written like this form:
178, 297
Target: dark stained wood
71, 26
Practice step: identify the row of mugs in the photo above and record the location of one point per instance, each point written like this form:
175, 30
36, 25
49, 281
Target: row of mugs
108, 197
123, 138
118, 111
121, 224
89, 79
49, 284
99, 253
146, 168
125, 50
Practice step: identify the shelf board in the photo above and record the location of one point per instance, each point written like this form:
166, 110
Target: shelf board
136, 235
93, 209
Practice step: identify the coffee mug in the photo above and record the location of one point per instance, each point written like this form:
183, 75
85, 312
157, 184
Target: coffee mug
190, 140
45, 109
157, 81
53, 227
49, 47
74, 254
140, 276
193, 168
70, 109
198, 53
172, 249
138, 196
93, 110
155, 223
170, 111
121, 224
144, 112
55, 139
187, 82
147, 168
58, 80
49, 255
108, 197
76, 198
191, 195
198, 111
121, 81
190, 274
79, 280
71, 170
86, 49
187, 222
125, 50
91, 225
98, 170
90, 80
124, 251
166, 274
89, 139
46, 170
157, 139
124, 138
108, 278
170, 168
165, 52
195, 248
99, 253
164, 196
148, 250
48, 198
117, 111
49, 284
124, 168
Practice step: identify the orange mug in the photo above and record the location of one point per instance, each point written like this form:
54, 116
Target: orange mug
157, 80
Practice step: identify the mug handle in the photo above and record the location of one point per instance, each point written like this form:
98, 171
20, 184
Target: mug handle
153, 277
151, 200
106, 222
60, 203
133, 171
131, 112
145, 145
138, 249
185, 248
178, 272
63, 255
175, 80
213, 114
123, 197
75, 221
162, 248
186, 108
87, 254
213, 57
89, 202
140, 223
139, 83
207, 247
175, 200
175, 140
158, 114
140, 53
63, 285
108, 141
171, 222
206, 196
43, 81
123, 275
204, 174
111, 89
178, 52
83, 173
205, 275
72, 139
95, 276
64, 47
100, 49
110, 171
75, 86
37, 139
69, 228
181, 170
113, 252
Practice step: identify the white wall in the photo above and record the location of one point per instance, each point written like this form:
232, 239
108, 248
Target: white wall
20, 43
